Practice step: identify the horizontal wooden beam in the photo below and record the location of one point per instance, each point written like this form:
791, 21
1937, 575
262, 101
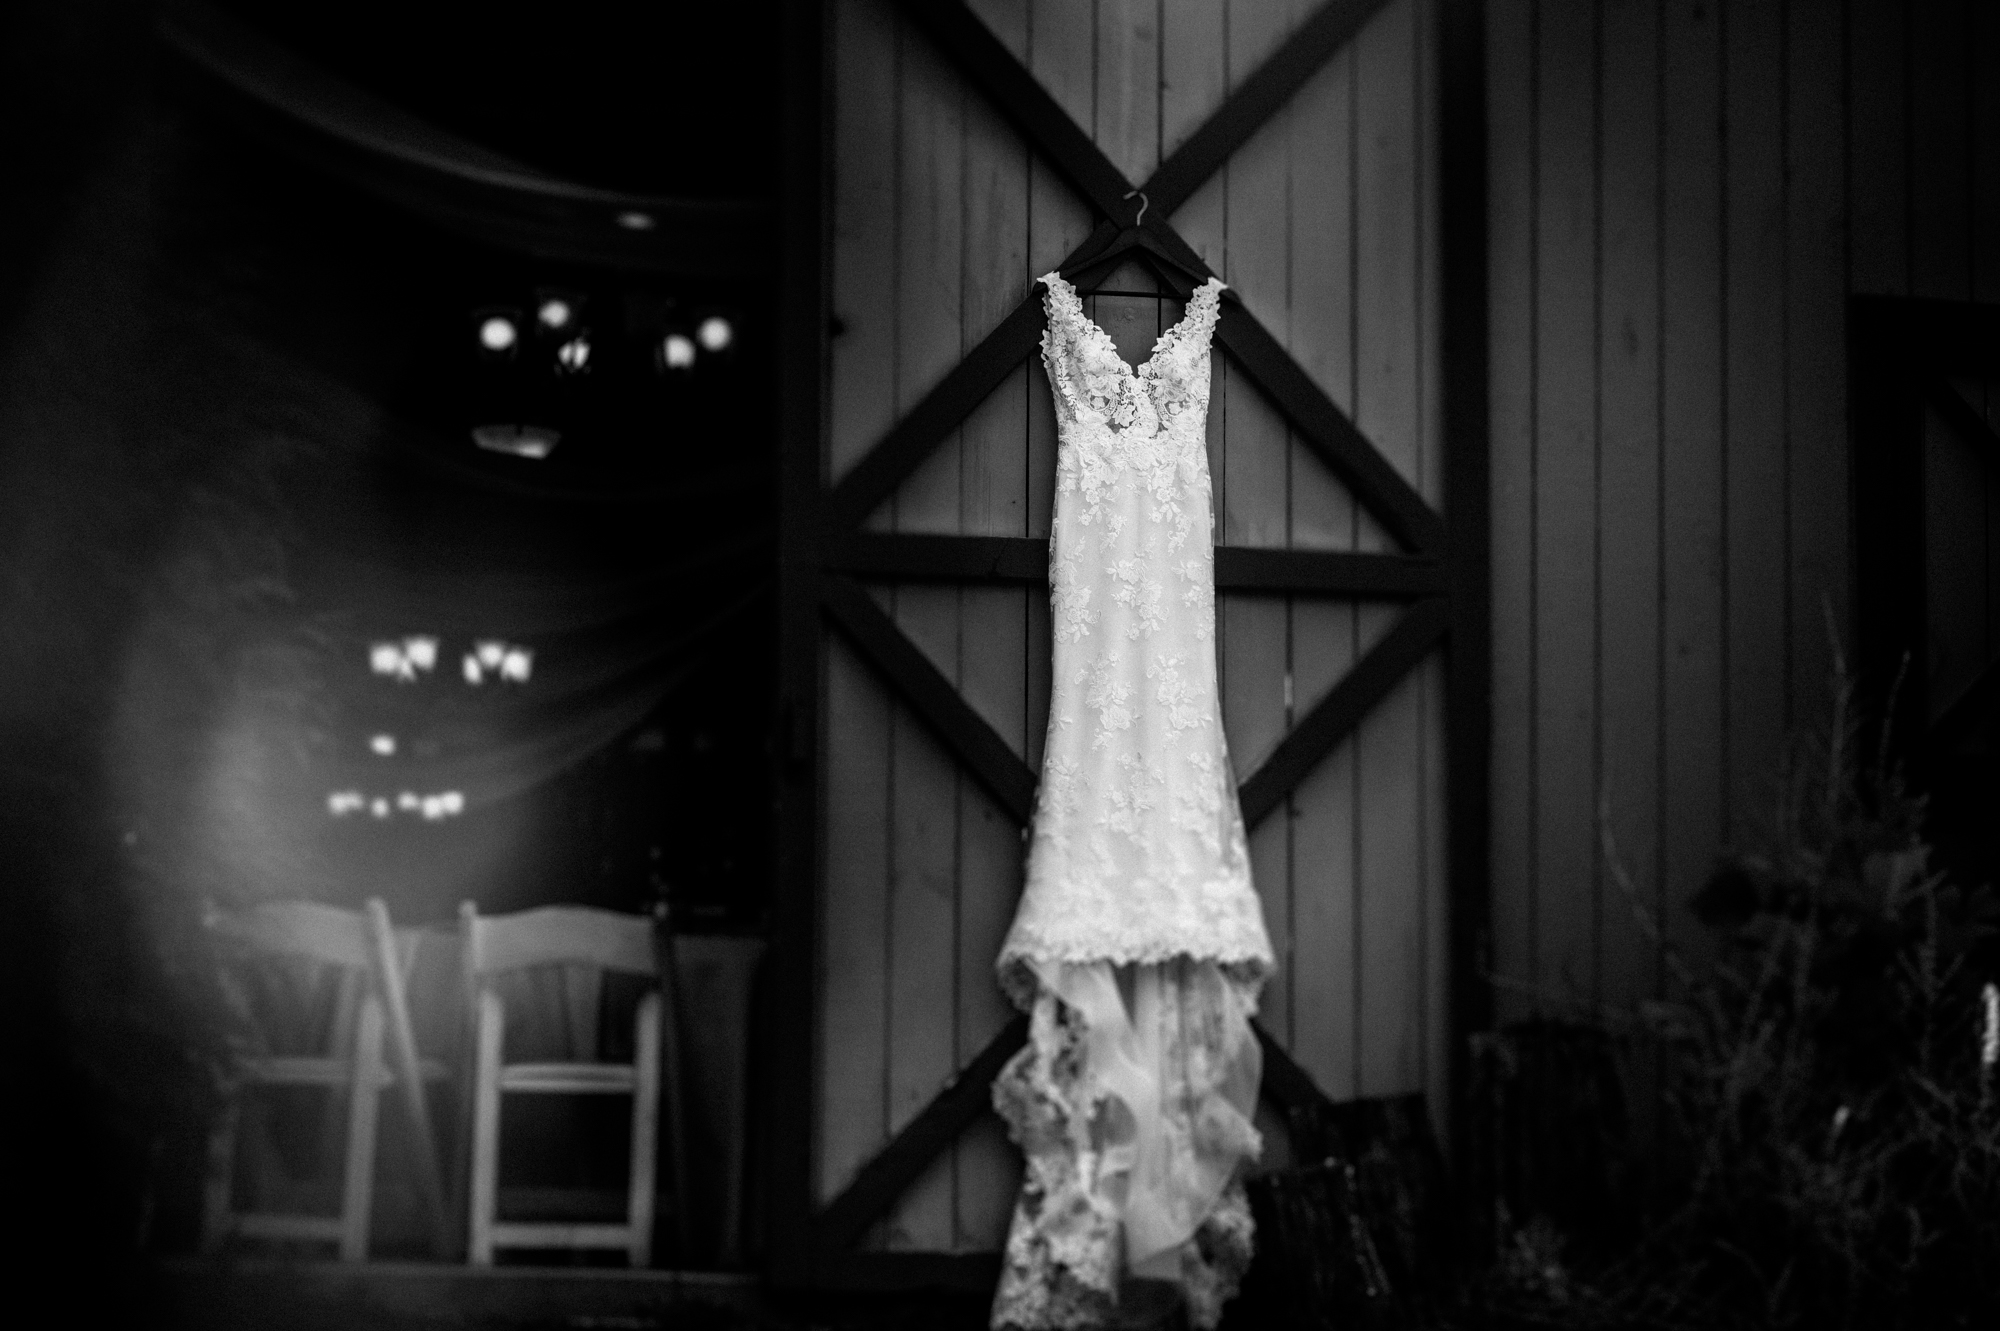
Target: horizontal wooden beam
1255, 569
963, 1098
922, 687
895, 557
1369, 681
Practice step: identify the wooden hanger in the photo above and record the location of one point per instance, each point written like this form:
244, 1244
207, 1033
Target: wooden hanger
1135, 241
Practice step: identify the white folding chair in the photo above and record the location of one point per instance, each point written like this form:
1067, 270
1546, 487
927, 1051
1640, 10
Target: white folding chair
571, 937
296, 943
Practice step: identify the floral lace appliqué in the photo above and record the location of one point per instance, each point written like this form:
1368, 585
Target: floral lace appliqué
1132, 1100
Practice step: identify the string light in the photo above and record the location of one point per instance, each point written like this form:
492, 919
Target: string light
513, 664
556, 311
498, 331
715, 333
573, 356
402, 661
431, 808
677, 352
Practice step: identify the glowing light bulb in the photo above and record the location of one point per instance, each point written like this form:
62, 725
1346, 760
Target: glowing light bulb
573, 356
498, 334
677, 351
555, 312
384, 745
715, 333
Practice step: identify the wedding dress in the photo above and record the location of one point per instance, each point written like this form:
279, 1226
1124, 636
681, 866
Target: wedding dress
1139, 947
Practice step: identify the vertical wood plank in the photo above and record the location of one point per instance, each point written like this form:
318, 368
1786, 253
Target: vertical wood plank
1564, 503
1127, 123
1628, 491
1877, 161
1754, 408
1691, 470
1324, 931
854, 963
1254, 632
1321, 986
924, 804
1387, 391
1008, 20
1194, 67
1815, 352
1941, 165
1433, 858
994, 633
1320, 327
1062, 53
1511, 95
854, 955
861, 402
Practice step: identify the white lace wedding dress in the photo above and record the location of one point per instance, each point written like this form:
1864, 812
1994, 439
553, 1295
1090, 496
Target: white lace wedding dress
1139, 946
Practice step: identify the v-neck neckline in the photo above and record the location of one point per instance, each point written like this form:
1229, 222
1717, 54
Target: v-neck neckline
1170, 338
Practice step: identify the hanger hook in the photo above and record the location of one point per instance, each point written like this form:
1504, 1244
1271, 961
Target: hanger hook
1140, 195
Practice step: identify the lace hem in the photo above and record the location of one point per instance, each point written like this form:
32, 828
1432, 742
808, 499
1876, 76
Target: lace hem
1131, 1104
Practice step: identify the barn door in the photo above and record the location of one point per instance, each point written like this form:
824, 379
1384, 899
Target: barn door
1293, 148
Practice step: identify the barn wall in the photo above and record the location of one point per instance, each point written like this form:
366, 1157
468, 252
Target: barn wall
941, 219
1683, 193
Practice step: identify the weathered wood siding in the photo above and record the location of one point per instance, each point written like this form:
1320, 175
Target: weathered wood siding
1683, 193
941, 220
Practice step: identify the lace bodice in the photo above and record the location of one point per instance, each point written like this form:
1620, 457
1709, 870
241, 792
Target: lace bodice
1138, 852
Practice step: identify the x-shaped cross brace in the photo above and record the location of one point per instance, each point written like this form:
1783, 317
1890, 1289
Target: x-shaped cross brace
849, 553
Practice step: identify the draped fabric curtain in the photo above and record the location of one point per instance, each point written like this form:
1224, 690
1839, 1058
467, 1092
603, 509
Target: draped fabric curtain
332, 740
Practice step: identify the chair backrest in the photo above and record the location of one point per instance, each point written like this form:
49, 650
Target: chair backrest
303, 929
558, 936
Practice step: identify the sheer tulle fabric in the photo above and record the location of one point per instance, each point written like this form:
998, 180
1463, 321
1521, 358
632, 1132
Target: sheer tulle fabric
1139, 946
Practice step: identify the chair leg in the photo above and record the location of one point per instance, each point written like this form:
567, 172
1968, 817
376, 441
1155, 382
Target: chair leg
673, 1092
358, 1193
218, 1216
645, 1129
486, 1130
391, 965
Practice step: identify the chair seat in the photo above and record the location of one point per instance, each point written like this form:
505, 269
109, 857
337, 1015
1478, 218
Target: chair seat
262, 1225
298, 1070
517, 1234
568, 1078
